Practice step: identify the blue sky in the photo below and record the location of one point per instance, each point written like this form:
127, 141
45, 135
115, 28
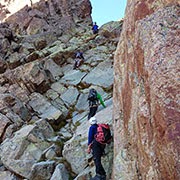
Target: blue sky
104, 11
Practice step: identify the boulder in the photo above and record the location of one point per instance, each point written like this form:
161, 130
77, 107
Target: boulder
70, 96
7, 175
14, 109
58, 87
82, 104
52, 70
74, 77
3, 66
35, 26
60, 173
44, 108
111, 29
25, 149
4, 122
102, 76
42, 170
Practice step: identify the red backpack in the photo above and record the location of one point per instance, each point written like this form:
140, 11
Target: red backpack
103, 135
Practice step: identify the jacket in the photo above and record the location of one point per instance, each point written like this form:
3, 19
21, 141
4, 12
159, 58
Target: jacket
95, 27
92, 132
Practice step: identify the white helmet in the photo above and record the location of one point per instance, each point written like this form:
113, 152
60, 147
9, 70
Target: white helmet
93, 120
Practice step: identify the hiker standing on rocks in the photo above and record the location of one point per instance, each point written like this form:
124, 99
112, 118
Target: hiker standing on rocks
94, 97
79, 59
97, 150
95, 28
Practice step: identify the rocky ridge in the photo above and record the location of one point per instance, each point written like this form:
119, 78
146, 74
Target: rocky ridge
43, 105
43, 101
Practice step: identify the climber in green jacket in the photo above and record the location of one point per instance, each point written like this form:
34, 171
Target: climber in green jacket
94, 98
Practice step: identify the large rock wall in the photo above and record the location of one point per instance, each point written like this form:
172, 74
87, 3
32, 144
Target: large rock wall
146, 87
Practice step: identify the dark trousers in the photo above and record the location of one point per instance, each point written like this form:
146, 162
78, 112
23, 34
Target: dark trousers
95, 31
78, 62
92, 111
98, 151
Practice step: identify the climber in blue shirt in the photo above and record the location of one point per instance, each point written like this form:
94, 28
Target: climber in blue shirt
92, 130
95, 28
97, 150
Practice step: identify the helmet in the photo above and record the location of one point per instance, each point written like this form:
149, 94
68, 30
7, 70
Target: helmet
93, 120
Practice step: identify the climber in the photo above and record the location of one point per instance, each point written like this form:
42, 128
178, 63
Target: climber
97, 150
94, 97
79, 59
95, 28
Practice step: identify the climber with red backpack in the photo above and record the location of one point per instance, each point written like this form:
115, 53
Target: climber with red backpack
94, 98
98, 136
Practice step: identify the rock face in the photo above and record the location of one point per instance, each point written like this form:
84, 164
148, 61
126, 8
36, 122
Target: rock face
146, 87
46, 16
7, 8
34, 14
43, 101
